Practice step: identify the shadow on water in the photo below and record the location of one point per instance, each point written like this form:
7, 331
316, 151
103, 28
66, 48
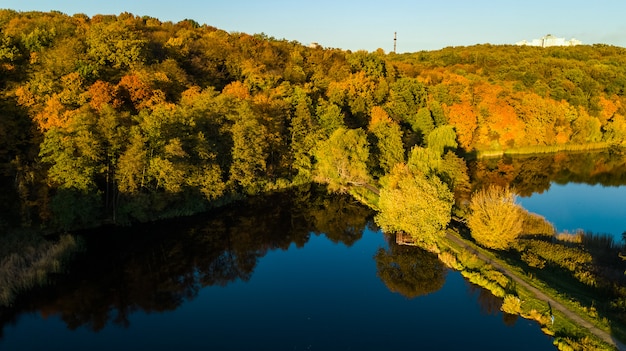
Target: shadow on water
156, 267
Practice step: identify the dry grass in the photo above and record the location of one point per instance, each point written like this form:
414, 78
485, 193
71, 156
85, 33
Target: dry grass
30, 266
570, 238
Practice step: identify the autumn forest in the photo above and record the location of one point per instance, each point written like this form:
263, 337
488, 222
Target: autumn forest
134, 117
119, 119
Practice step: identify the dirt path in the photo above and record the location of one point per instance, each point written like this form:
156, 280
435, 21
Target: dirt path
606, 337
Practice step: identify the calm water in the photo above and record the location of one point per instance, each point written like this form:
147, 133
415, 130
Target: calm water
276, 275
588, 207
571, 190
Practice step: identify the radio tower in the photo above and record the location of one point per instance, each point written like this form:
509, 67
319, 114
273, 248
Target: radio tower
394, 41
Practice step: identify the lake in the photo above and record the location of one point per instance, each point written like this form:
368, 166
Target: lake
574, 191
571, 207
294, 271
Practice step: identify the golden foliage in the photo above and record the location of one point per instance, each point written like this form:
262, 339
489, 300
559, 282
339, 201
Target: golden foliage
54, 114
464, 118
237, 90
379, 115
511, 304
102, 93
413, 203
496, 219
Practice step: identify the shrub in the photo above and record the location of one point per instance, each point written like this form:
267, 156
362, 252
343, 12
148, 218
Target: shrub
537, 225
450, 260
532, 260
480, 279
511, 304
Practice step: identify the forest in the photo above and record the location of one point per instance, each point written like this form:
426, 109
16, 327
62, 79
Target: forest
122, 118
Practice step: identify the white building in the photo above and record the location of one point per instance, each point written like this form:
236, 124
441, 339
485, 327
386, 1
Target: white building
550, 40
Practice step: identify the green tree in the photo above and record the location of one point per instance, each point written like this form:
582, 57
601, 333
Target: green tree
112, 129
438, 114
387, 148
373, 64
74, 154
341, 161
424, 160
414, 203
495, 219
114, 44
441, 139
406, 97
303, 138
132, 164
249, 151
422, 122
453, 171
165, 170
329, 117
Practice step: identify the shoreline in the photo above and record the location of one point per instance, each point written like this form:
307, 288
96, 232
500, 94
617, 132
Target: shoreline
546, 149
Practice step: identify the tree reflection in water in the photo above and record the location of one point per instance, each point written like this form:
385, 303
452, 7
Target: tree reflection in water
157, 267
530, 174
410, 270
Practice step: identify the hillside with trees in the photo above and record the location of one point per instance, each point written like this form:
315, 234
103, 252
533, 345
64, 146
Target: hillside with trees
118, 119
122, 118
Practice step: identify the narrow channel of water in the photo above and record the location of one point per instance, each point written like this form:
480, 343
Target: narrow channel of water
573, 206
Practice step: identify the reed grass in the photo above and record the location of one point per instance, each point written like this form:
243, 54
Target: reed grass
31, 266
570, 238
601, 241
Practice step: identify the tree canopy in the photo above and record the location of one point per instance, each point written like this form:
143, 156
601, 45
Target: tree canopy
155, 118
495, 219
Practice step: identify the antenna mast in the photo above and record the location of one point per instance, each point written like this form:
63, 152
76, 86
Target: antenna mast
395, 39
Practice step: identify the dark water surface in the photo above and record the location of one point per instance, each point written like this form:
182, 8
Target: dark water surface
284, 273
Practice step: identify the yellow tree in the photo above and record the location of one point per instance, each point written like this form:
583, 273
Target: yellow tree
495, 218
414, 203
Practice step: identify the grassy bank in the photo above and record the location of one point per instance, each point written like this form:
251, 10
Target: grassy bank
524, 292
27, 260
546, 149
463, 255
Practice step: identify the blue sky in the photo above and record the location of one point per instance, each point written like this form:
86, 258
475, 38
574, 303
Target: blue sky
368, 24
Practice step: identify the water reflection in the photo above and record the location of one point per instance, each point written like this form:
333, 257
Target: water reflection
574, 191
535, 173
410, 270
157, 267
413, 272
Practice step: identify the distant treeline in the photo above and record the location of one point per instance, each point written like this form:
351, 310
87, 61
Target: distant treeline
125, 118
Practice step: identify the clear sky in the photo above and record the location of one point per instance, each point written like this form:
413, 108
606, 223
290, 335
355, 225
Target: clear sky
369, 25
